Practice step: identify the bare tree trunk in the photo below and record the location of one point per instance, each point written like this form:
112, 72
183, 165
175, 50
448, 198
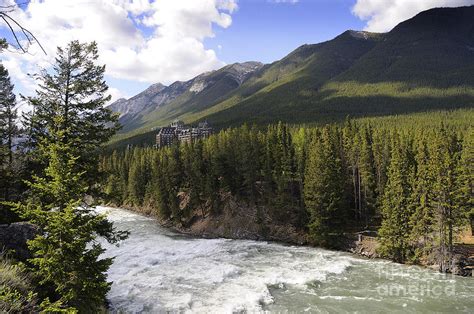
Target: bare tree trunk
355, 188
11, 127
360, 201
366, 208
442, 244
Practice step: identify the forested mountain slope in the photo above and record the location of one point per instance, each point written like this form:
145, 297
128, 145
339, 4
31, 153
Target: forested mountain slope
424, 63
407, 177
160, 104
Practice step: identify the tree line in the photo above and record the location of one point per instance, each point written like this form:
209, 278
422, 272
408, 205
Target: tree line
410, 182
48, 165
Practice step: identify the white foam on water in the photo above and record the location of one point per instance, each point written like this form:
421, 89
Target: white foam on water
157, 270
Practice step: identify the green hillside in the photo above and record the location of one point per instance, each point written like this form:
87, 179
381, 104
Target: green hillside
425, 63
218, 85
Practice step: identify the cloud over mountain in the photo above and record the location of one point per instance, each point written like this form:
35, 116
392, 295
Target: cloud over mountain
383, 15
138, 39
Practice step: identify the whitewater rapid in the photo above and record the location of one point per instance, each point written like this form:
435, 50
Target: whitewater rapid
158, 270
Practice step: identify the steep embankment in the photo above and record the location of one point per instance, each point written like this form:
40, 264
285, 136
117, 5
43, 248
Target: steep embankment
236, 220
239, 220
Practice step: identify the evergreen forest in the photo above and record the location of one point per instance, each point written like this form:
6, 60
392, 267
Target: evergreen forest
407, 177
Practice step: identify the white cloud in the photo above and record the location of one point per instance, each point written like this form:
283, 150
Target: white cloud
14, 69
143, 40
383, 15
116, 94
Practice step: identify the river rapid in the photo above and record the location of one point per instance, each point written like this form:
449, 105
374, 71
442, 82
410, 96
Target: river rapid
159, 270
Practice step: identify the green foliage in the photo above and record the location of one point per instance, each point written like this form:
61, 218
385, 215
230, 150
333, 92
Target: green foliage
16, 290
66, 255
423, 64
395, 229
75, 90
324, 187
67, 128
371, 173
9, 167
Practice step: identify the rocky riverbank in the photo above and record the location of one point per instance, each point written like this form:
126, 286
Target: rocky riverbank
14, 237
238, 220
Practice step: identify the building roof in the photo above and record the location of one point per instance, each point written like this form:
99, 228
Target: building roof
167, 130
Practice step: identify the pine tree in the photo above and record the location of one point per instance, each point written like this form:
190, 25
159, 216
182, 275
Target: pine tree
71, 124
9, 176
367, 185
136, 179
423, 217
66, 255
450, 215
76, 91
395, 230
324, 188
381, 152
465, 179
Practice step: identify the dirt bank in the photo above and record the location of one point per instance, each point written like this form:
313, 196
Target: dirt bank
239, 220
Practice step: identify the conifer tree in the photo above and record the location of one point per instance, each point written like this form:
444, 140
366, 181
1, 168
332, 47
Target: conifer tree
367, 184
422, 220
66, 252
324, 188
8, 131
465, 179
381, 152
395, 230
75, 89
450, 215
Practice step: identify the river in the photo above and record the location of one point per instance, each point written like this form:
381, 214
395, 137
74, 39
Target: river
158, 270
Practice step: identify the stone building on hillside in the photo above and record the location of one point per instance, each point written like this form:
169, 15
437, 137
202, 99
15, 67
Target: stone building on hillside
178, 132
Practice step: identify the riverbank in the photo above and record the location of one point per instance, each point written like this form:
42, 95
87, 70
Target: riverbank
243, 222
159, 270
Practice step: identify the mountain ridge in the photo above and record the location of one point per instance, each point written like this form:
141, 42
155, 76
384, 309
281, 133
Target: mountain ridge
132, 110
423, 63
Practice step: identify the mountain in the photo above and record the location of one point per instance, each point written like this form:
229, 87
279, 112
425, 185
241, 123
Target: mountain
137, 103
424, 63
161, 104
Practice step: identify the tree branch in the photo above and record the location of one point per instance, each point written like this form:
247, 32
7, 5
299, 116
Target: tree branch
29, 35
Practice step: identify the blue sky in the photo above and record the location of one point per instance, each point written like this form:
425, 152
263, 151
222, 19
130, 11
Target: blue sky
147, 41
266, 31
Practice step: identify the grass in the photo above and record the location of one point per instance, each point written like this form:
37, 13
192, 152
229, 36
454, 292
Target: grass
466, 237
16, 292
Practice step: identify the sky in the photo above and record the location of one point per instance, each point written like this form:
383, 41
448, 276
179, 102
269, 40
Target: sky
148, 41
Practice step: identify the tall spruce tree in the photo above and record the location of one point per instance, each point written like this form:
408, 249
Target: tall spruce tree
465, 179
324, 188
66, 252
450, 214
367, 177
395, 230
75, 90
420, 203
8, 132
